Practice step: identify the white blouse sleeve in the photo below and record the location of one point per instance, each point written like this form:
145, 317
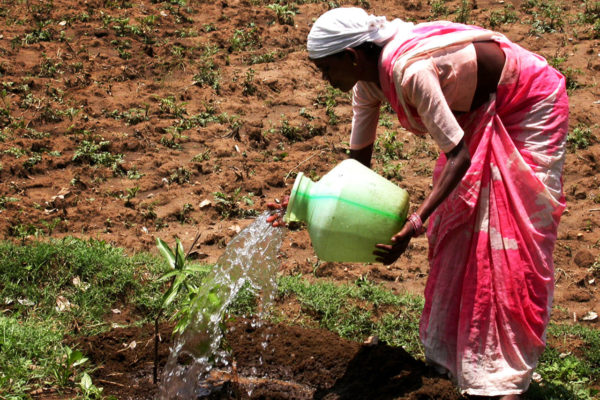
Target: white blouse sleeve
365, 107
421, 88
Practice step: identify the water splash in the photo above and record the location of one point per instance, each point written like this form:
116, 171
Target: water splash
250, 257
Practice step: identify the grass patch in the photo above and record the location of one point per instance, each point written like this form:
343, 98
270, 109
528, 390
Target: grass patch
359, 310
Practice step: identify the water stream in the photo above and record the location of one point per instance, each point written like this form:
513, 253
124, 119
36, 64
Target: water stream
196, 355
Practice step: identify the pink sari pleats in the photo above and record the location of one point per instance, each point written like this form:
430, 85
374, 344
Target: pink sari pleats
489, 292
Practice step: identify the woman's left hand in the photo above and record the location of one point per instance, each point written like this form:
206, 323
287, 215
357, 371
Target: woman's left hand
389, 253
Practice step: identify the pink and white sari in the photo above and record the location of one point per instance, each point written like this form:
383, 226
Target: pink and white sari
490, 286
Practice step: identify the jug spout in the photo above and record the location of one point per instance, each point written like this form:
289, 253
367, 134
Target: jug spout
297, 209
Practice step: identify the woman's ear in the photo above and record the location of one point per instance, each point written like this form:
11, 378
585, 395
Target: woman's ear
354, 55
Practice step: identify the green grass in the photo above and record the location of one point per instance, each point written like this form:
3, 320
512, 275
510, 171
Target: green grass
356, 311
96, 277
28, 353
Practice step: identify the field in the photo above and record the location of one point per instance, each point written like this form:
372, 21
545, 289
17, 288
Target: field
126, 121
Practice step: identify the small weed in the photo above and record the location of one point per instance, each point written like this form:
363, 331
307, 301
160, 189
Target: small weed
580, 137
262, 58
506, 16
328, 98
66, 368
293, 133
245, 39
96, 153
180, 176
90, 391
16, 152
183, 216
48, 68
439, 9
569, 72
249, 87
547, 16
132, 116
386, 121
204, 156
389, 147
208, 74
463, 13
228, 205
391, 171
169, 106
285, 13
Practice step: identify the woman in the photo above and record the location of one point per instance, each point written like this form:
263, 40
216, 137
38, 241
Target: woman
499, 114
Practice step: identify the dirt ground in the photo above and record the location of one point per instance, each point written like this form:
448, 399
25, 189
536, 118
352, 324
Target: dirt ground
127, 121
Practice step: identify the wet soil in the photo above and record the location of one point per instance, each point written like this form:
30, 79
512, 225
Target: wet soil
127, 121
297, 363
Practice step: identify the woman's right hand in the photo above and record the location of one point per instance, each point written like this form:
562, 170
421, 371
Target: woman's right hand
276, 219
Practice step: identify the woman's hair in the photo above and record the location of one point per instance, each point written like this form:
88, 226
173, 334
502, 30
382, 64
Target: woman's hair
372, 50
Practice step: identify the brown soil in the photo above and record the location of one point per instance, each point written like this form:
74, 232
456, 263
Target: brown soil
72, 74
298, 363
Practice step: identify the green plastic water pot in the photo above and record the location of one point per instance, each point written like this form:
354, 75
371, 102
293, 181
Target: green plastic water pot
348, 211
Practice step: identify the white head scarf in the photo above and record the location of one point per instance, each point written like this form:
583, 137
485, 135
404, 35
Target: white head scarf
343, 28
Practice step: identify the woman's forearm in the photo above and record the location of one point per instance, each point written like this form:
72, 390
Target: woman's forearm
457, 164
363, 155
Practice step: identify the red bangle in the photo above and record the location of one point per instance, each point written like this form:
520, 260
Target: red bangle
417, 224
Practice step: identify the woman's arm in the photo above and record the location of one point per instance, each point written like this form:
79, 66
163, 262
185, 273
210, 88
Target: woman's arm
363, 155
457, 164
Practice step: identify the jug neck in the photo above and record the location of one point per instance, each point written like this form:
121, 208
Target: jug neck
297, 209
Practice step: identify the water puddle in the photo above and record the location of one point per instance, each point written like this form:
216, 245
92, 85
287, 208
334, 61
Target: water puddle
197, 365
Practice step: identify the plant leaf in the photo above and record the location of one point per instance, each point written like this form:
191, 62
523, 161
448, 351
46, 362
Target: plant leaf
166, 252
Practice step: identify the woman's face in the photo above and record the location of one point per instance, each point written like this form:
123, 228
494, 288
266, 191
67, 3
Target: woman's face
338, 70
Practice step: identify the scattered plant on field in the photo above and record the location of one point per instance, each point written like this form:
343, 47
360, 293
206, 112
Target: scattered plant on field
248, 86
506, 16
439, 9
66, 367
180, 176
245, 39
89, 390
388, 147
168, 105
285, 13
580, 137
204, 156
97, 153
569, 72
293, 133
328, 98
463, 13
183, 215
208, 74
4, 200
547, 16
228, 205
262, 58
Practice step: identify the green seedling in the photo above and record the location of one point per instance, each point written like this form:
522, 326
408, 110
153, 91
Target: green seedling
580, 137
285, 13
66, 368
90, 391
229, 205
179, 276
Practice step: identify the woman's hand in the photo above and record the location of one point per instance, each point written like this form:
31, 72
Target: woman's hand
389, 253
276, 219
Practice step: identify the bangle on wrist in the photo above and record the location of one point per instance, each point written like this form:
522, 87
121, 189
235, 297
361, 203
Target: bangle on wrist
417, 224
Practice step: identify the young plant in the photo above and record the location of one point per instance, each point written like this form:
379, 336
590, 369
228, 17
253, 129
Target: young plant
180, 285
285, 13
580, 137
66, 368
229, 205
